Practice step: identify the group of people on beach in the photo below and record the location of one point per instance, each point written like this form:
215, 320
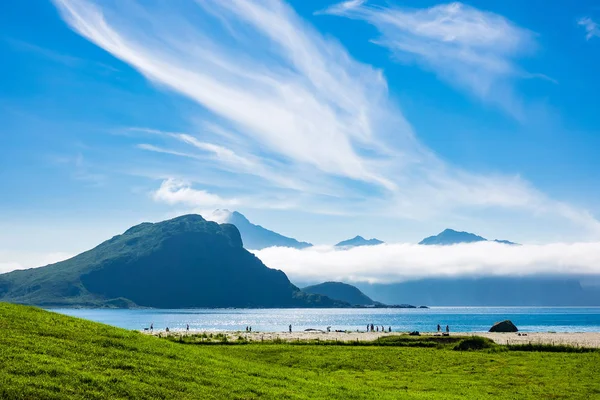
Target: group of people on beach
373, 328
370, 328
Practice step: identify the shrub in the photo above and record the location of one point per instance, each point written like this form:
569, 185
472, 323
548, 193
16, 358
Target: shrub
474, 343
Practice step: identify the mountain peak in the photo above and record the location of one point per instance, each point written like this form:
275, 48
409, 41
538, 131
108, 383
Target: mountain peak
237, 216
450, 236
256, 237
450, 230
359, 241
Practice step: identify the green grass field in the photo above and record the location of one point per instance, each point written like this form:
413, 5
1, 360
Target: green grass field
44, 355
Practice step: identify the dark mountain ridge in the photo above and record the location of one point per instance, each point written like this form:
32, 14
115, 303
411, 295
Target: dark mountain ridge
184, 262
341, 291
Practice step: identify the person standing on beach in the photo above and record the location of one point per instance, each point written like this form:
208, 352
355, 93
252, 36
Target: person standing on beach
290, 328
152, 327
447, 329
439, 328
390, 329
367, 327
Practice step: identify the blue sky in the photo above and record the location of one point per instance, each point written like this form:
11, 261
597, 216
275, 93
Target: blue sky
320, 120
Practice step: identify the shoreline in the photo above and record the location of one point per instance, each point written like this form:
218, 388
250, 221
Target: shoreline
577, 339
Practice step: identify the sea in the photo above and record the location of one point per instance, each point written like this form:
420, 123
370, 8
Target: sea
458, 319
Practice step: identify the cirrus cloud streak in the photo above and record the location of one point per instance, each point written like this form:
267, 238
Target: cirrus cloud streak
471, 49
294, 119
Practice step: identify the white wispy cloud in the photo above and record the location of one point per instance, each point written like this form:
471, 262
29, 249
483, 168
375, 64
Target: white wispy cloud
296, 121
293, 106
591, 27
469, 48
181, 193
227, 159
174, 192
389, 263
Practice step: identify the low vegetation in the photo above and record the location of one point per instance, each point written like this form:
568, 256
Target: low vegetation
44, 355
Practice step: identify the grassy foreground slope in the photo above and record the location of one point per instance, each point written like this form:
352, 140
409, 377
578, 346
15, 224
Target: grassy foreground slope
44, 355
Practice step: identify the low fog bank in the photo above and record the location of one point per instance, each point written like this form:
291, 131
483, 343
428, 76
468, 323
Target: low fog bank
475, 274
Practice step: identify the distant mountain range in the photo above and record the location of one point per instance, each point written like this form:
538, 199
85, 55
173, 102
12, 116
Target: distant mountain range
359, 241
486, 291
255, 237
189, 262
450, 236
341, 291
185, 262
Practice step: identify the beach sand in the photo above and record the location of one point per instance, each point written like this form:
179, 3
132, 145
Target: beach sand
580, 339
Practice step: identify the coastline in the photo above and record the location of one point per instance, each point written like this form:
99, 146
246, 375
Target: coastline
577, 339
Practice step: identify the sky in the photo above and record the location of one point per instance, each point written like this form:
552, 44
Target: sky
320, 120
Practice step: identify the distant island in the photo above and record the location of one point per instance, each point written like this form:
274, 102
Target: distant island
341, 291
350, 294
185, 262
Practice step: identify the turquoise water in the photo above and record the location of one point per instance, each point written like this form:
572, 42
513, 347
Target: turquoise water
460, 319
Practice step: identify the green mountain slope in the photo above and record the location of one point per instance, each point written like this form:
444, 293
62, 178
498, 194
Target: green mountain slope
341, 291
180, 263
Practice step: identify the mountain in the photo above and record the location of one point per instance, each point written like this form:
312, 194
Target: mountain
256, 237
341, 291
505, 242
450, 236
359, 241
489, 291
184, 262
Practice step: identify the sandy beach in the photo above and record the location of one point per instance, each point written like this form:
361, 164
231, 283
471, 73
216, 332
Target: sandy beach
580, 339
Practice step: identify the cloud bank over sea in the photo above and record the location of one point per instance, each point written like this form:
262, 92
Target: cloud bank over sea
387, 263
